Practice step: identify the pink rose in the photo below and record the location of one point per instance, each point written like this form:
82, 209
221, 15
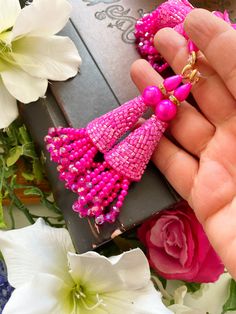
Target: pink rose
178, 248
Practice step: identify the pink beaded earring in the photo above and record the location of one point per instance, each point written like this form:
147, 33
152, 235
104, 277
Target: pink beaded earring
171, 13
103, 185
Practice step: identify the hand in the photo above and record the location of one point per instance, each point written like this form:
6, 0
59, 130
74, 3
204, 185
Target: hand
201, 163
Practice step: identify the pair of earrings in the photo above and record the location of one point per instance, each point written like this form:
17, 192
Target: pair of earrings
99, 168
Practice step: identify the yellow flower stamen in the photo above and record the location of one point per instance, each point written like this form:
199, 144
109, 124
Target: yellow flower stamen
79, 295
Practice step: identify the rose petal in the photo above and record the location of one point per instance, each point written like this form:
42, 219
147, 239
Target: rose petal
23, 86
43, 294
53, 58
42, 18
144, 229
10, 9
35, 249
8, 107
210, 269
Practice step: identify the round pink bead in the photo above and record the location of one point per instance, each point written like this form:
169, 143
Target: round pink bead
166, 110
152, 95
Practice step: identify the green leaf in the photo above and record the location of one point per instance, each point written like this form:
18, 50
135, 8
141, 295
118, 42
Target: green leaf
37, 170
9, 172
193, 286
28, 176
2, 222
230, 304
24, 135
32, 191
29, 151
14, 155
11, 133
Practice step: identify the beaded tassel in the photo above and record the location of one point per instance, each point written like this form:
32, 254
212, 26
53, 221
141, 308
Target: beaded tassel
102, 191
172, 14
169, 14
75, 149
103, 185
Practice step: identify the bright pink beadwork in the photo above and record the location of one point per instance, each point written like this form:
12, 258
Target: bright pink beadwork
171, 83
107, 129
182, 92
131, 156
166, 110
152, 95
169, 14
103, 185
101, 189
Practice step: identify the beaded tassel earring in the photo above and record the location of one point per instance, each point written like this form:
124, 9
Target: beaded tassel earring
75, 149
103, 185
171, 13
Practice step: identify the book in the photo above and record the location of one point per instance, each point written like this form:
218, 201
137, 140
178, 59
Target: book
102, 30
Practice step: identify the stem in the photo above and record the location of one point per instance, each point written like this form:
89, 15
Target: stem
165, 294
2, 173
17, 202
13, 225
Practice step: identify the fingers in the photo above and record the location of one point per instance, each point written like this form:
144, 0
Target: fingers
178, 167
189, 127
213, 98
217, 40
224, 239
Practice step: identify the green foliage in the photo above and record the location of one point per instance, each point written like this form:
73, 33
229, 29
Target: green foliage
230, 304
193, 286
16, 146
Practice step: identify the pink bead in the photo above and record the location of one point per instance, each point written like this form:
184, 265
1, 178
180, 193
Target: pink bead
106, 203
101, 194
183, 92
152, 95
166, 110
124, 193
125, 186
171, 83
97, 188
93, 192
116, 177
119, 204
121, 198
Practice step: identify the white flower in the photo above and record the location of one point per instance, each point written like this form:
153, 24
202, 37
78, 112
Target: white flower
31, 54
178, 307
51, 279
209, 299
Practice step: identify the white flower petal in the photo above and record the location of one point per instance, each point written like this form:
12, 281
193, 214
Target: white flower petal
42, 17
211, 297
8, 107
142, 301
23, 86
94, 272
44, 294
182, 309
55, 57
8, 13
35, 249
133, 268
129, 270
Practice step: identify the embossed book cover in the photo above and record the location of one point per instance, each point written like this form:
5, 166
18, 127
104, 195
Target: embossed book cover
103, 33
